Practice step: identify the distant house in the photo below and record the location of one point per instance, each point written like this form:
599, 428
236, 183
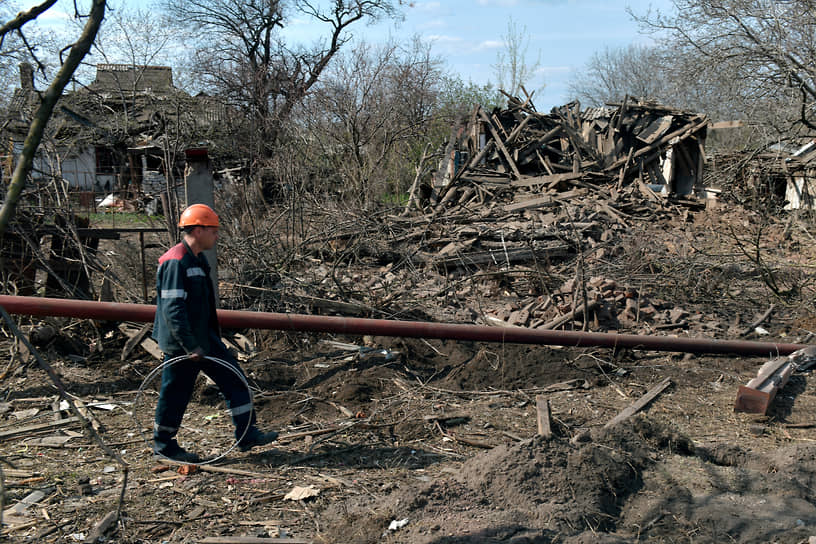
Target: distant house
127, 130
800, 191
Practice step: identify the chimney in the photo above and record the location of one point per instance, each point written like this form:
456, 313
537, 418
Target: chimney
26, 76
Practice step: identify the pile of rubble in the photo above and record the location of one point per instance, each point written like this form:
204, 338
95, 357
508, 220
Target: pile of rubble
602, 303
532, 158
518, 186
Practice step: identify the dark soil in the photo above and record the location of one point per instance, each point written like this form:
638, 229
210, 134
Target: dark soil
438, 439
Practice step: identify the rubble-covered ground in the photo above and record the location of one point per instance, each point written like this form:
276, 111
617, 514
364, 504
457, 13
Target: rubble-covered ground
435, 441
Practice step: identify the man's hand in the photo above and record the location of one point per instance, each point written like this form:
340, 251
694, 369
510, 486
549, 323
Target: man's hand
197, 354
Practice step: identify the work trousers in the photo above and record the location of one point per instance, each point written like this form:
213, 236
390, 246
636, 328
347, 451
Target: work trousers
178, 382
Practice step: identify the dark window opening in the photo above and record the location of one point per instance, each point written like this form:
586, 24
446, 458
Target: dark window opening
105, 161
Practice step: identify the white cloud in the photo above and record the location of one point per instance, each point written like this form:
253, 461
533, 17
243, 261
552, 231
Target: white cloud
295, 21
489, 44
441, 38
54, 16
432, 23
545, 70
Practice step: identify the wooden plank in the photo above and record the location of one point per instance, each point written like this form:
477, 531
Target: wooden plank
516, 131
543, 416
134, 338
37, 428
29, 500
656, 129
502, 258
639, 404
500, 144
152, 347
529, 181
719, 125
530, 204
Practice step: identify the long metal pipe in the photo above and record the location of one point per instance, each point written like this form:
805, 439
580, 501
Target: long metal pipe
235, 319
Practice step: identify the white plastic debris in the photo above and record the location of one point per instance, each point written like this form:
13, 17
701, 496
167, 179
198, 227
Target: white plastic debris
299, 493
108, 201
397, 524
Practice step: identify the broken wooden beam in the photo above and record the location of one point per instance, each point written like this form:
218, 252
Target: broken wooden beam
639, 404
552, 180
543, 417
503, 257
134, 339
756, 396
36, 428
497, 137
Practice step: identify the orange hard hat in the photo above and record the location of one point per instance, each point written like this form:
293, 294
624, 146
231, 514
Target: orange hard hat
198, 215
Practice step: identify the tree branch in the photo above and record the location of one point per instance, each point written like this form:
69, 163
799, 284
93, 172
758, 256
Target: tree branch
43, 114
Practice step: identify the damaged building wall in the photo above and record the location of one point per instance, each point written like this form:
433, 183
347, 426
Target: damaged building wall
633, 142
115, 134
775, 178
801, 187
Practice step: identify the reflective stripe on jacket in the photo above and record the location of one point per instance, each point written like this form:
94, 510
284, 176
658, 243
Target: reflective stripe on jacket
185, 304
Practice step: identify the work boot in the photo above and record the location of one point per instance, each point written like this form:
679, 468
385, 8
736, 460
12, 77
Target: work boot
174, 452
254, 437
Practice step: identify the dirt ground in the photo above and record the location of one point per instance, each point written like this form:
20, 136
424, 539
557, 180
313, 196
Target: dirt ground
435, 441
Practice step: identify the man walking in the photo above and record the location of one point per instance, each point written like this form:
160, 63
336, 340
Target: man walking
186, 324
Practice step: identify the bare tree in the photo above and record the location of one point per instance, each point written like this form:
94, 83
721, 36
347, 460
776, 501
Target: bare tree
372, 114
609, 75
512, 69
138, 38
765, 49
243, 57
77, 52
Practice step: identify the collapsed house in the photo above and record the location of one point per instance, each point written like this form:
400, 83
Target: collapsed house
127, 130
533, 153
131, 135
774, 178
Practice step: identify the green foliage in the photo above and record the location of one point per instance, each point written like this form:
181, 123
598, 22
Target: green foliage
395, 199
124, 219
457, 98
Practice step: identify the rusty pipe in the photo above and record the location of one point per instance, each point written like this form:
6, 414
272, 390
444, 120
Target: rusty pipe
236, 319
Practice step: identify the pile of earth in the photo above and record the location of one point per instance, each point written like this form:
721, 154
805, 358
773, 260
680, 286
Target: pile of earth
639, 481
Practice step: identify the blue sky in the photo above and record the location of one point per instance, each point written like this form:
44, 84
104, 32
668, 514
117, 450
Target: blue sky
563, 34
468, 34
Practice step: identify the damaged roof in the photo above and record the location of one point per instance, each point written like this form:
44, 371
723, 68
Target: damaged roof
526, 151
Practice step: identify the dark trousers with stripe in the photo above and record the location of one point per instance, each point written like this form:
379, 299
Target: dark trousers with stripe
178, 382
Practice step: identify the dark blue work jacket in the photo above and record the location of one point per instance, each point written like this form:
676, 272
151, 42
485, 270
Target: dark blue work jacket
185, 303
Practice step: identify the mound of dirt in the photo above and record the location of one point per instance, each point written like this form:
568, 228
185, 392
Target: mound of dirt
614, 487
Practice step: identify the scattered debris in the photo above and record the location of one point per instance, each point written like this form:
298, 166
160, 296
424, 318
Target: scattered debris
300, 493
757, 395
395, 525
639, 404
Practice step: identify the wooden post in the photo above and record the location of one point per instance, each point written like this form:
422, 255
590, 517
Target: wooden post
543, 416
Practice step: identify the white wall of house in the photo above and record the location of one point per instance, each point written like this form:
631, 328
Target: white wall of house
80, 170
799, 192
